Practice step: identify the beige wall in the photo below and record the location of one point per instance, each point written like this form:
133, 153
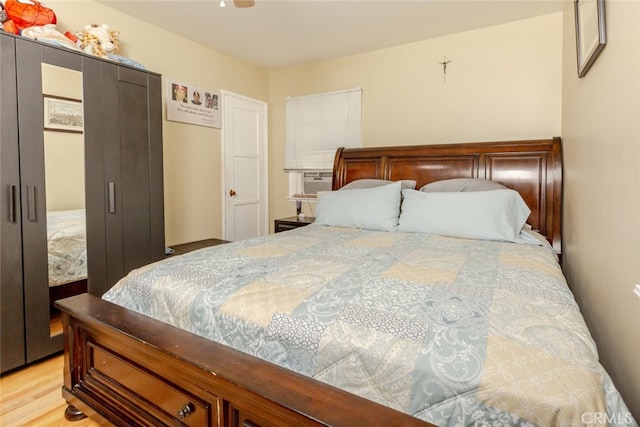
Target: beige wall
601, 132
64, 170
63, 151
504, 82
498, 90
192, 154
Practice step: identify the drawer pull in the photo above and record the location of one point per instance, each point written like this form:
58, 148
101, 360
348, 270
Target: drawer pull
186, 411
247, 423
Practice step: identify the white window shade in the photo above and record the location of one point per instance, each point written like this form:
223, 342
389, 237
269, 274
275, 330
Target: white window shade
318, 124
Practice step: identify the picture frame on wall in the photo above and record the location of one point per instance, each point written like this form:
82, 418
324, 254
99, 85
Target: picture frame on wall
191, 104
590, 32
63, 114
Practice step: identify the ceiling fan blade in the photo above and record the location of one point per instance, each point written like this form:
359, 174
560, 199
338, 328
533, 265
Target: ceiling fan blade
244, 3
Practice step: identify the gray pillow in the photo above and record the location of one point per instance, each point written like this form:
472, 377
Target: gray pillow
485, 215
369, 208
461, 184
406, 184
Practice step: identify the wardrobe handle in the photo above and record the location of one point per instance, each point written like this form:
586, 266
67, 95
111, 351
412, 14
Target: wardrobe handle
12, 203
31, 202
112, 197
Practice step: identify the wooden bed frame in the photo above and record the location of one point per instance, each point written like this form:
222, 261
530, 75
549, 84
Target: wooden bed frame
128, 369
66, 290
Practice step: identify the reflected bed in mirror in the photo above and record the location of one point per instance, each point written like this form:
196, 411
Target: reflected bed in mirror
67, 246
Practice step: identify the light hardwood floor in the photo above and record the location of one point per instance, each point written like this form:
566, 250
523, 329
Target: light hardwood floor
31, 397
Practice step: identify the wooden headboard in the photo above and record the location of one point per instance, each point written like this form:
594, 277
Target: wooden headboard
533, 168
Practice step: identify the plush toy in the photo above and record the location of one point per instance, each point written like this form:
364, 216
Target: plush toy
6, 24
49, 34
99, 40
29, 13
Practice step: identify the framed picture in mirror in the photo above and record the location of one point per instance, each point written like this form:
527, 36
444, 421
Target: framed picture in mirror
590, 32
63, 114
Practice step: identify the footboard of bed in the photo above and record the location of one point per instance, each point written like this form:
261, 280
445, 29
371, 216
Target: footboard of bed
128, 369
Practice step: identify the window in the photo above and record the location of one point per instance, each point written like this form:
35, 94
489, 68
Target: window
316, 125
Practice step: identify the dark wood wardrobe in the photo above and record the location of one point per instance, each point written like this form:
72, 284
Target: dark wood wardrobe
123, 189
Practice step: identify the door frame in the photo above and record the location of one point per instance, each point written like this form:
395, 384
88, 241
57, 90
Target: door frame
223, 166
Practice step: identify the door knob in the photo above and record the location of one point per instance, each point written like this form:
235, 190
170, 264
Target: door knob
232, 193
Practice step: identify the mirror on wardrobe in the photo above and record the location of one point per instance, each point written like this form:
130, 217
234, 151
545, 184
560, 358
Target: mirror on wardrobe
65, 185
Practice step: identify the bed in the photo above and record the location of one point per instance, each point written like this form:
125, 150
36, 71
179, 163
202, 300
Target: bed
333, 324
67, 253
66, 246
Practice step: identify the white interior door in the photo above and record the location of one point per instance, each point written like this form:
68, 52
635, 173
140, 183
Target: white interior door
246, 181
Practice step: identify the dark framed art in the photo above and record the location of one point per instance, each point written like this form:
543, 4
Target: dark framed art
63, 114
590, 32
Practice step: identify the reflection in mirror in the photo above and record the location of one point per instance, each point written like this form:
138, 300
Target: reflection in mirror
65, 187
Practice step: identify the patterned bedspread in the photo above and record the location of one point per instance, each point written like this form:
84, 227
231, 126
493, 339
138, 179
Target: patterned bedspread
452, 331
67, 246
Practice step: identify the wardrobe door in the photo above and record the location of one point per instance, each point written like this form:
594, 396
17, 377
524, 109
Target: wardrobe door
11, 297
133, 169
36, 181
156, 190
95, 197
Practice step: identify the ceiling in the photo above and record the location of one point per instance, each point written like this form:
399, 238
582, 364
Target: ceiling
282, 33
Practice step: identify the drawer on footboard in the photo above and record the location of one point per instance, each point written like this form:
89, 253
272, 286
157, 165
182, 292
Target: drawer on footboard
147, 391
130, 394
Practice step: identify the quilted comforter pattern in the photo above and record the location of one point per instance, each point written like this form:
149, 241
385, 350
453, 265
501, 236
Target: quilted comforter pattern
66, 246
452, 331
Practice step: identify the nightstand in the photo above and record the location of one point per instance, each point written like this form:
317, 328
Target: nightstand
284, 224
192, 246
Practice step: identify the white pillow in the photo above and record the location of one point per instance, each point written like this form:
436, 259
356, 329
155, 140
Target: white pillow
371, 183
484, 215
370, 208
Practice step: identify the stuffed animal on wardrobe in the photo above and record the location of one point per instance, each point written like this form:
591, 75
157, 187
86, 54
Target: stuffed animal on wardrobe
99, 40
6, 24
49, 34
28, 13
